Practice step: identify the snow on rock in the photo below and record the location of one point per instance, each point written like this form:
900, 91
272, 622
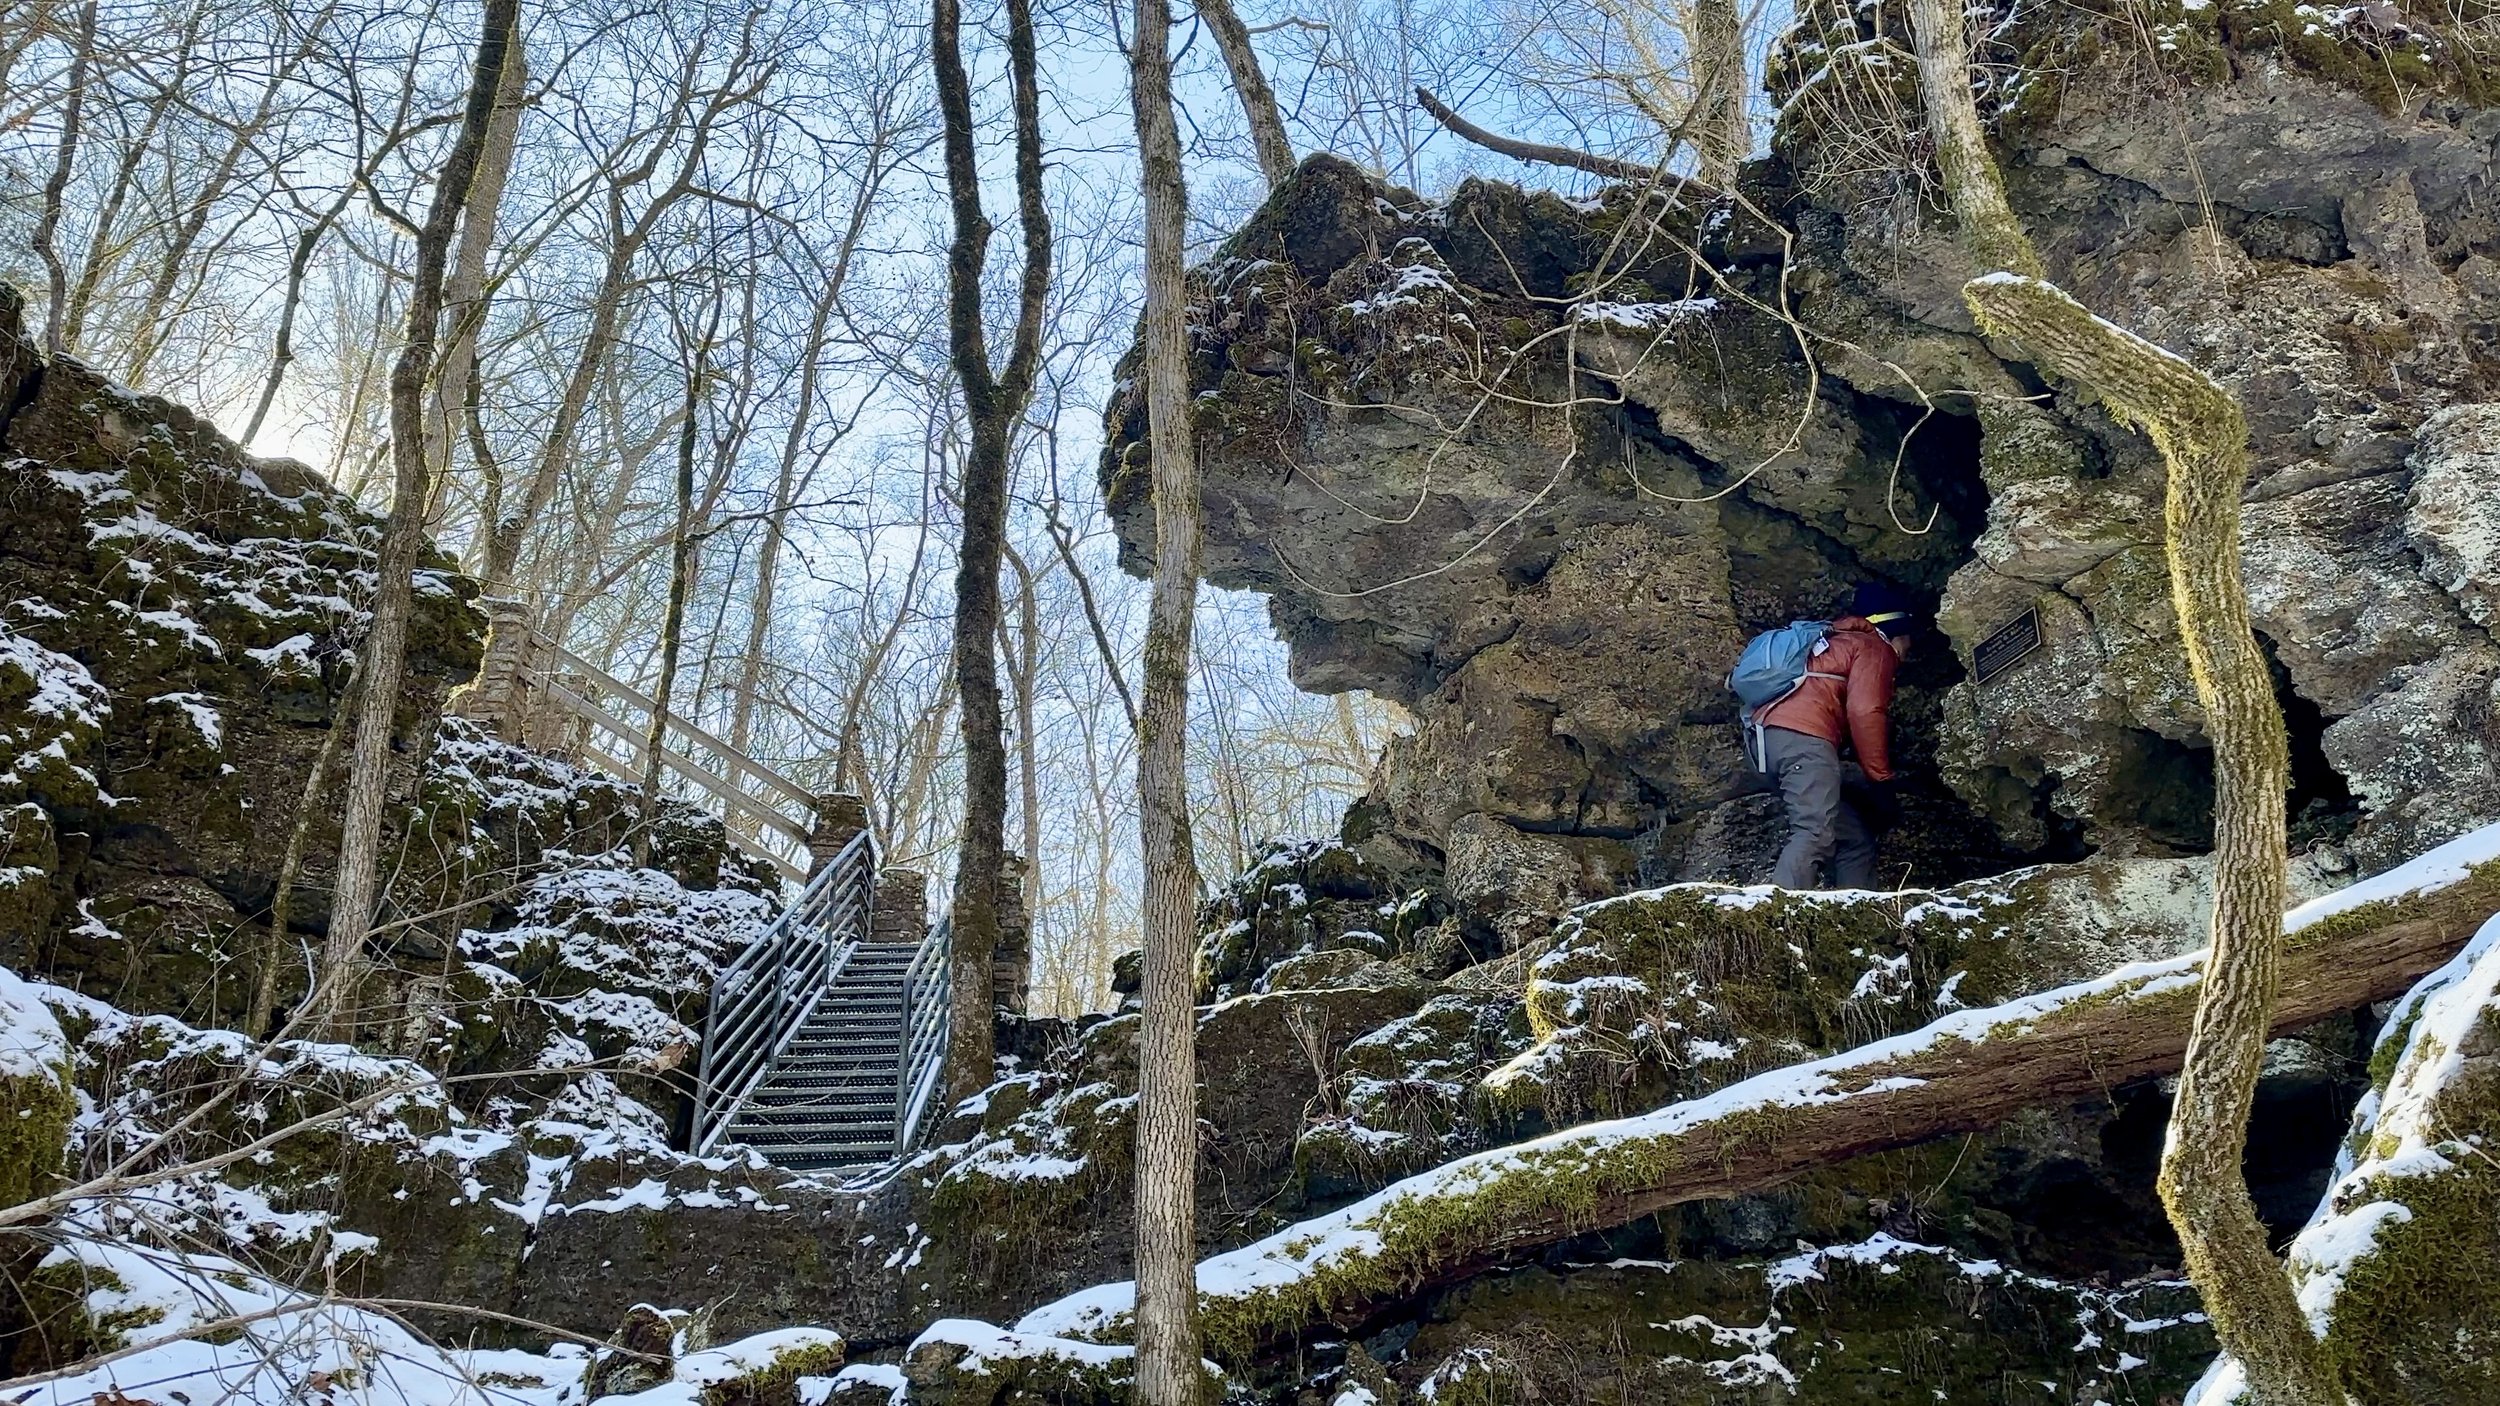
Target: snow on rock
1668, 993
2434, 869
272, 1344
1017, 1365
1279, 1272
755, 1369
31, 1043
2416, 1195
867, 1379
52, 714
1643, 317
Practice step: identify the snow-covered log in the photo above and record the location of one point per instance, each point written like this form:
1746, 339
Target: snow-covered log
1964, 1072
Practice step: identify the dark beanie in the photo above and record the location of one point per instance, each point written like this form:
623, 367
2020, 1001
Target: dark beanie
1885, 607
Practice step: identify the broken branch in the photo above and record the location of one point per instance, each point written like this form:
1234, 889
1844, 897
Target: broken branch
1607, 166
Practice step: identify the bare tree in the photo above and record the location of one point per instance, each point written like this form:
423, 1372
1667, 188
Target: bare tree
994, 404
65, 157
1167, 1060
681, 568
158, 309
384, 656
1722, 136
465, 292
695, 114
788, 482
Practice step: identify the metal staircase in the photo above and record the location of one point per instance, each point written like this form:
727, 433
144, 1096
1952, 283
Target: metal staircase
823, 1047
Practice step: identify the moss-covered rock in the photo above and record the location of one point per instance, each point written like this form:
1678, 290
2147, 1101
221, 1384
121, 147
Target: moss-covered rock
1671, 993
181, 616
36, 1103
962, 1362
1305, 899
662, 1358
2398, 1269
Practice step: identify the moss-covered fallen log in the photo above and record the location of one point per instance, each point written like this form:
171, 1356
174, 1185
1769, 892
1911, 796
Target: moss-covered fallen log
1963, 1073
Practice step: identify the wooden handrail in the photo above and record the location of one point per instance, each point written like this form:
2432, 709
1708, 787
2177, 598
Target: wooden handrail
685, 766
782, 813
736, 760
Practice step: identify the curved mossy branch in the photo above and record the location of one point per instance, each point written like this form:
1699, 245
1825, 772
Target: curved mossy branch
1966, 1072
2203, 440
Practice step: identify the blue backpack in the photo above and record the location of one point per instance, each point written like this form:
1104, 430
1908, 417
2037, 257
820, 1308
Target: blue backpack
1775, 663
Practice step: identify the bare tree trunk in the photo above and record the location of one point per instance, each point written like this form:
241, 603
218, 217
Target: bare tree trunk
1258, 100
1024, 670
497, 555
2203, 440
1722, 135
384, 657
1518, 150
1972, 183
1065, 544
585, 580
848, 765
776, 525
157, 309
464, 294
506, 527
263, 1011
993, 404
681, 565
365, 357
1167, 1059
101, 254
787, 485
64, 159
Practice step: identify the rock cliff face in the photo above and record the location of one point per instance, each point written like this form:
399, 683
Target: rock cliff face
179, 621
1536, 468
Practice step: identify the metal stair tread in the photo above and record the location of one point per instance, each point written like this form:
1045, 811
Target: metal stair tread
836, 1086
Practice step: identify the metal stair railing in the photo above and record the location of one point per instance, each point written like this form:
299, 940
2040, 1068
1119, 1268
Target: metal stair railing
761, 1000
769, 816
926, 1012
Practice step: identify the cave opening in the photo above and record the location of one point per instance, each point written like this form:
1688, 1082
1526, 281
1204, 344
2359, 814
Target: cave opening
2158, 789
1943, 838
1939, 457
2320, 807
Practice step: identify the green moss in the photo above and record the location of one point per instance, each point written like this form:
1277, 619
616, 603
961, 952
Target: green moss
1669, 995
777, 1382
35, 1113
993, 1215
2196, 47
1915, 1328
50, 1322
2419, 1315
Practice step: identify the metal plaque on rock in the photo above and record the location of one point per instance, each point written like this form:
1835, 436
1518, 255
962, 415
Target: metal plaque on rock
2008, 646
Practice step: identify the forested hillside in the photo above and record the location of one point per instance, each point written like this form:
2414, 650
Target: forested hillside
1384, 702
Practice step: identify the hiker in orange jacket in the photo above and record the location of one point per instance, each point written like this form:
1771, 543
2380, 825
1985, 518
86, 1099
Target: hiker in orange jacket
1845, 700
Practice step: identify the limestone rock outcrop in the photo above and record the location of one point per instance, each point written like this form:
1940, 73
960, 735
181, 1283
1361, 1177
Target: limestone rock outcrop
179, 624
1535, 468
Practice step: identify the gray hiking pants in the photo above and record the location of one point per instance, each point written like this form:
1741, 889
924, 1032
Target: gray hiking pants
1822, 828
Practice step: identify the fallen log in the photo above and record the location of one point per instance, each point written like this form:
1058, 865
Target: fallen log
1963, 1073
